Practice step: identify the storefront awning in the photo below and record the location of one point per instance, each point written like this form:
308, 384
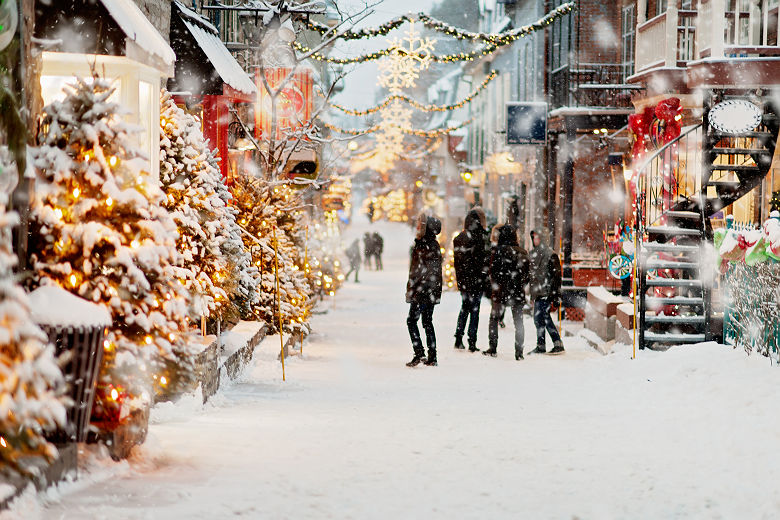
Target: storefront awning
207, 38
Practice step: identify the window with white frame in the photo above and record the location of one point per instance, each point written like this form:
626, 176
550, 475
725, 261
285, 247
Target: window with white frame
628, 24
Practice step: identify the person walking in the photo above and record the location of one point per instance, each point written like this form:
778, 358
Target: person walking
353, 254
423, 290
509, 274
368, 248
545, 288
370, 212
471, 254
379, 246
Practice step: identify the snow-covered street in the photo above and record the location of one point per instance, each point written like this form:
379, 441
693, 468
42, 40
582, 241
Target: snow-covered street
353, 433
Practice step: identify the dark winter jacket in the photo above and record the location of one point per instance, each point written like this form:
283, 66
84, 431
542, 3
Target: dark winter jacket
379, 243
545, 273
509, 269
368, 244
471, 254
424, 285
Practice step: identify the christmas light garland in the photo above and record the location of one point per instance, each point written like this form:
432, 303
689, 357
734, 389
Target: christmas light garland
416, 104
492, 41
437, 25
409, 131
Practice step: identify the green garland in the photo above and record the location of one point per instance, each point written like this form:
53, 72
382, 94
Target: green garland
417, 104
442, 27
409, 131
492, 41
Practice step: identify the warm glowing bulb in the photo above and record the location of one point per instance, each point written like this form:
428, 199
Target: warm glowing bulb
134, 244
109, 202
73, 280
112, 161
148, 340
163, 380
114, 394
76, 192
58, 213
3, 443
171, 336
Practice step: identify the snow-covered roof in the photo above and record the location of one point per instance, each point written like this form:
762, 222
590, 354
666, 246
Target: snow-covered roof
224, 63
138, 29
449, 84
54, 306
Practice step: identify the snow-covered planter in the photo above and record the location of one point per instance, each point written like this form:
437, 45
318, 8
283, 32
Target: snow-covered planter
752, 314
75, 327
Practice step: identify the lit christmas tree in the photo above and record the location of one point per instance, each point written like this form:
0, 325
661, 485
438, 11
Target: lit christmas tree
99, 230
263, 207
217, 268
31, 383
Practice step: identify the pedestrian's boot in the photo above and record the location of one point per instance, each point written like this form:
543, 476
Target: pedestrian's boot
540, 349
416, 360
473, 347
557, 348
518, 354
431, 361
459, 343
490, 352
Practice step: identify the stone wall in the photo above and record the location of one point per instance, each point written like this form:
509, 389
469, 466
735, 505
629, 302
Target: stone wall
159, 13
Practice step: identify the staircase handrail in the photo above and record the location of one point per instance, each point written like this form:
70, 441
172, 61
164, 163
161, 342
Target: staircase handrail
639, 223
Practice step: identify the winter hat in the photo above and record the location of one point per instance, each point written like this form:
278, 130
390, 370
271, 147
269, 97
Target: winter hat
433, 226
475, 217
507, 235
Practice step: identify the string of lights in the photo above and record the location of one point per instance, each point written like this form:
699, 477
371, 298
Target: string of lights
409, 131
492, 41
416, 104
437, 25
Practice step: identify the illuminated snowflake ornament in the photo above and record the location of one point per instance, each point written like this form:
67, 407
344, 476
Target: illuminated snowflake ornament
408, 57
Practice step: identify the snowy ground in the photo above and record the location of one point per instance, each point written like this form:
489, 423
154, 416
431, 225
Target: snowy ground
353, 433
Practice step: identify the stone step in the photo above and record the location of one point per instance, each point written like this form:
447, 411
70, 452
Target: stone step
658, 301
668, 264
673, 282
673, 248
680, 320
671, 337
672, 231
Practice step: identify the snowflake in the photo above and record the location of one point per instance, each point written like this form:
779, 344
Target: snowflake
408, 57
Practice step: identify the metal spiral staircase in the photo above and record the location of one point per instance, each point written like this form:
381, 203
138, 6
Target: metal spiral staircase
679, 187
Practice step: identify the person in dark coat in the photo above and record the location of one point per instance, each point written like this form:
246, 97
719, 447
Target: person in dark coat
379, 246
423, 290
353, 254
471, 253
370, 211
545, 288
368, 248
509, 271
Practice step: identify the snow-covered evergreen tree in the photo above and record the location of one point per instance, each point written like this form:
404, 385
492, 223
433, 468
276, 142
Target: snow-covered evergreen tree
31, 383
99, 230
264, 207
217, 268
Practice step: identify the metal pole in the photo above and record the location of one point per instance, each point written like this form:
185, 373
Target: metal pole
636, 259
279, 301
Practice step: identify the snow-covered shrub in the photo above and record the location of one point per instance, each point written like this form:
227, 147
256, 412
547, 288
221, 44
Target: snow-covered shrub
265, 208
98, 229
31, 383
753, 307
217, 269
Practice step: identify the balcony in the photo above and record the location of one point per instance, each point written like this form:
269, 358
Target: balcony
591, 85
723, 43
668, 40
